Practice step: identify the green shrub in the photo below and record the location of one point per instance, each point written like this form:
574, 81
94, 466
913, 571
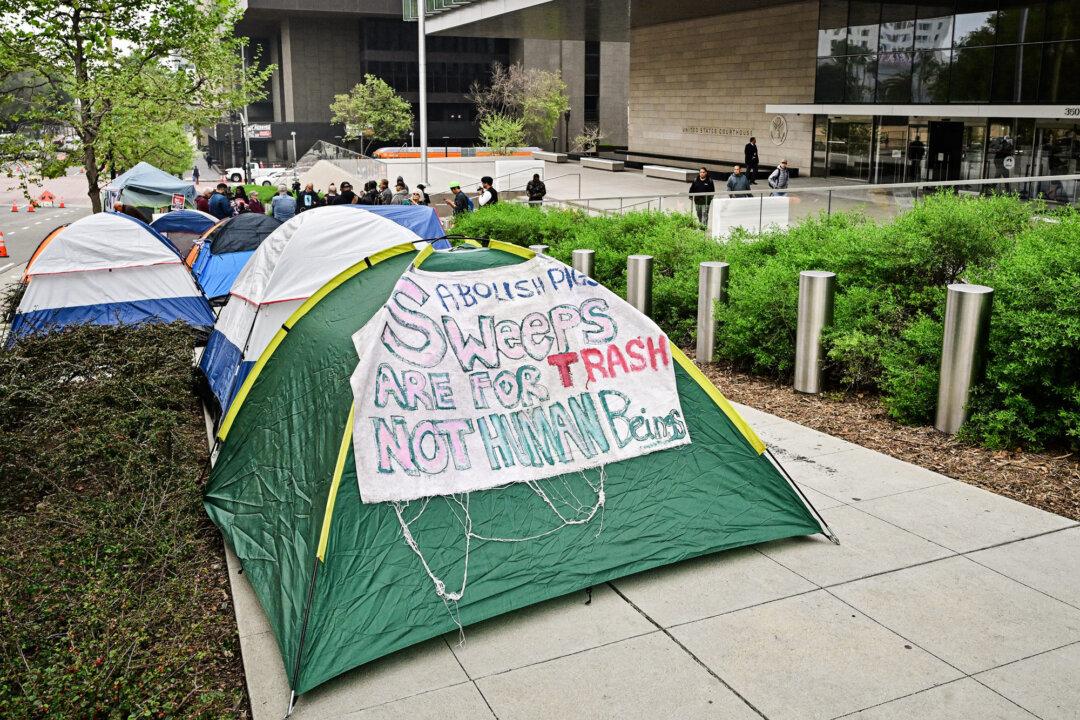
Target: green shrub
911, 366
674, 240
1031, 394
113, 599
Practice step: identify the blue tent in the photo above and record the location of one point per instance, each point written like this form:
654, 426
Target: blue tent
146, 186
184, 221
225, 250
421, 219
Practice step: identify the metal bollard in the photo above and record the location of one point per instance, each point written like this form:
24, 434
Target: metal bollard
639, 282
539, 249
584, 261
816, 289
967, 327
712, 286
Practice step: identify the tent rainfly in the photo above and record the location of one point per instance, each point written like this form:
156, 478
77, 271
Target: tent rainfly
292, 263
223, 251
184, 227
107, 269
531, 435
147, 186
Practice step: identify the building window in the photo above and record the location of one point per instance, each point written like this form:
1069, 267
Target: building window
591, 110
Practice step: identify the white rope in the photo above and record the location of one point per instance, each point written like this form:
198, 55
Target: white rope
450, 598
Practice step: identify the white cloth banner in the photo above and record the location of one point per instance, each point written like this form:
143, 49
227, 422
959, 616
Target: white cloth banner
473, 380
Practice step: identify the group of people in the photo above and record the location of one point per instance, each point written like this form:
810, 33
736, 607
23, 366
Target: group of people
738, 182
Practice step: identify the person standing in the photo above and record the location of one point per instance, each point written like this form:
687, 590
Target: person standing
219, 205
401, 181
371, 195
346, 196
202, 201
488, 194
702, 184
331, 195
737, 181
779, 178
283, 206
401, 195
386, 195
309, 199
415, 199
461, 202
423, 194
195, 175
536, 190
750, 157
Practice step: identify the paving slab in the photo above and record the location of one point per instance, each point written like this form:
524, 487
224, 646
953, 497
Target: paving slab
811, 657
1050, 563
458, 702
1048, 684
645, 677
711, 585
868, 546
963, 517
551, 629
757, 418
966, 614
961, 700
858, 474
799, 441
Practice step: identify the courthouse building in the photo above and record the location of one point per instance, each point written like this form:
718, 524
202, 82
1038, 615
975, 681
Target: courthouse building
865, 90
322, 48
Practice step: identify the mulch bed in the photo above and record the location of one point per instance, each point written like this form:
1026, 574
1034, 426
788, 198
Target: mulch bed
1050, 481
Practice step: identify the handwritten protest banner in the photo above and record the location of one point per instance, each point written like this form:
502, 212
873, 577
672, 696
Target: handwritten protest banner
472, 380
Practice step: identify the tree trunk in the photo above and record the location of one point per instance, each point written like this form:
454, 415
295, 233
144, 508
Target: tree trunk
93, 189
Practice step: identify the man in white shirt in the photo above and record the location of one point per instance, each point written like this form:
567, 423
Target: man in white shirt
488, 194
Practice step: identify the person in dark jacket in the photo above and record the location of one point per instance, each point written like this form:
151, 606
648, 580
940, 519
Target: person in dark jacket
219, 205
423, 194
308, 200
386, 195
702, 184
751, 157
488, 194
738, 180
331, 195
536, 190
346, 196
401, 181
130, 210
371, 195
779, 178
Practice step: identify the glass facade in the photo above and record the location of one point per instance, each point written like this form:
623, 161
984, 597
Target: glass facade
967, 51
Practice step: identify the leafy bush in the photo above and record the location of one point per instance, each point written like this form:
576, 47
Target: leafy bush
1031, 394
113, 599
674, 240
911, 367
501, 133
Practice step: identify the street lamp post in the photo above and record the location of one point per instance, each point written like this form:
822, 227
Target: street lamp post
421, 11
293, 133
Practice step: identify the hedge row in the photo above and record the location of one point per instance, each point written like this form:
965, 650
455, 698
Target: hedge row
113, 597
891, 280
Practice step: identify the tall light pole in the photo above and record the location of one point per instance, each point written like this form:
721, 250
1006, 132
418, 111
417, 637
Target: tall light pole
293, 133
421, 10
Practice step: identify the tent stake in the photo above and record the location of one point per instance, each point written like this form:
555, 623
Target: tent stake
292, 704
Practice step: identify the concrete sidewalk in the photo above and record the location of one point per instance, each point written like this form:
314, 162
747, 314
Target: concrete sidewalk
943, 601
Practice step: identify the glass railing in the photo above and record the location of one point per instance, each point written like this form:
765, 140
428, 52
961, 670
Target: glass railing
758, 210
359, 166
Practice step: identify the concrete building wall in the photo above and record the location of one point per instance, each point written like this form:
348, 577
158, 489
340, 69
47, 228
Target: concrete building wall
614, 84
321, 59
699, 87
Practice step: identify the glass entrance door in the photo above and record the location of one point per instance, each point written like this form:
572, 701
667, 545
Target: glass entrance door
849, 148
890, 156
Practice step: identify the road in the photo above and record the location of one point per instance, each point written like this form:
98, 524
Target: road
24, 231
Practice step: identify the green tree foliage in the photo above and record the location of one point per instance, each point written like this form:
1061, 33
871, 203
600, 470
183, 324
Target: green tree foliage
501, 133
149, 63
537, 97
372, 111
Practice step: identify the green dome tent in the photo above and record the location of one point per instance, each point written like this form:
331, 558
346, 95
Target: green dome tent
344, 582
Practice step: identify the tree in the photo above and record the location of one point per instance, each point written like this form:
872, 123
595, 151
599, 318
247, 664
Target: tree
537, 97
107, 71
372, 110
501, 133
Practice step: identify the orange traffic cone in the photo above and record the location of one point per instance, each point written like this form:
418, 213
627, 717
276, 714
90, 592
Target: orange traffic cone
3, 247
61, 201
14, 206
31, 208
